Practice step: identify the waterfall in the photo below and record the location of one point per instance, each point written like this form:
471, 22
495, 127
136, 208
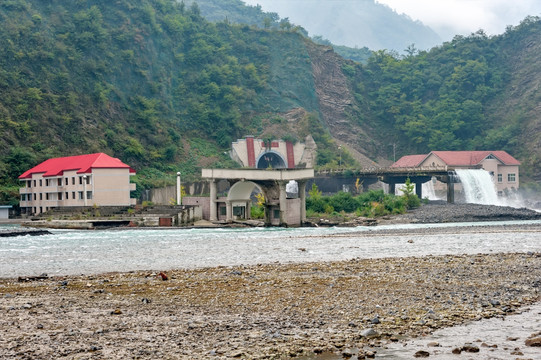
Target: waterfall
478, 187
429, 192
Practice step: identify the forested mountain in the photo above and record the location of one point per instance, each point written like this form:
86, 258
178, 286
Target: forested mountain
155, 84
237, 12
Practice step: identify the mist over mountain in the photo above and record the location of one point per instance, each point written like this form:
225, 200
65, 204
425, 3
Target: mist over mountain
355, 23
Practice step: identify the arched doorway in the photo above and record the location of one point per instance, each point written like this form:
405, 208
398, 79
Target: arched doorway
239, 199
270, 159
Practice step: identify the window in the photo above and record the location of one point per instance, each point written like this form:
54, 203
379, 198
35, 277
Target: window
511, 178
500, 178
67, 195
29, 183
41, 196
34, 183
89, 194
81, 195
47, 182
73, 194
60, 196
46, 196
40, 182
88, 180
73, 181
276, 213
223, 210
66, 181
23, 197
34, 196
238, 211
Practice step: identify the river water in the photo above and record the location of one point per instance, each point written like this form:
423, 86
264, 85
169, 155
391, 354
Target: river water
69, 252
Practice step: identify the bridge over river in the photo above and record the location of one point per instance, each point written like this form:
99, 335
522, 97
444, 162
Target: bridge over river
393, 176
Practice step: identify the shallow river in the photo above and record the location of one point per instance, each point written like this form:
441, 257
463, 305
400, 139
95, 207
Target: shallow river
86, 252
68, 252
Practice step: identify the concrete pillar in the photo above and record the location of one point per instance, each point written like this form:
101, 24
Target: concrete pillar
283, 204
419, 189
228, 210
213, 203
450, 192
248, 209
302, 196
179, 190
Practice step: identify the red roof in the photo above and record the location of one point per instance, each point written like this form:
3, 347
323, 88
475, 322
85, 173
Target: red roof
82, 163
409, 161
471, 158
457, 158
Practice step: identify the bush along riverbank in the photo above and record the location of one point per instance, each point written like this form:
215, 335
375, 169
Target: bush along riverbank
365, 208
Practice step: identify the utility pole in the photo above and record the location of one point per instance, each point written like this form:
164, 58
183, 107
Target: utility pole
340, 150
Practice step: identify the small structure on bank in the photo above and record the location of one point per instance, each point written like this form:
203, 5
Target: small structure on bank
279, 210
4, 211
76, 181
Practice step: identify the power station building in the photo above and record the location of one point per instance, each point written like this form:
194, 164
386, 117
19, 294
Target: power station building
503, 168
74, 181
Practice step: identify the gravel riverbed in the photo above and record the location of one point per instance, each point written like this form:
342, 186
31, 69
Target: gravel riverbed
260, 311
264, 311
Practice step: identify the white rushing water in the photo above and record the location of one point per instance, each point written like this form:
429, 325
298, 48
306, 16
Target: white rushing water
86, 252
478, 187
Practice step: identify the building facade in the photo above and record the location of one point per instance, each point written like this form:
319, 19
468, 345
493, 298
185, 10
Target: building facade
503, 168
255, 153
84, 180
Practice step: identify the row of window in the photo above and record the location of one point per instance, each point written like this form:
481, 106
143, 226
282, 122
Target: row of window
59, 196
510, 178
59, 181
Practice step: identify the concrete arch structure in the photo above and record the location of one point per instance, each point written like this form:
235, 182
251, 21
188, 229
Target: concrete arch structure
238, 197
278, 209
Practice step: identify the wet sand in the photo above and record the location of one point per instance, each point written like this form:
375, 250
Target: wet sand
260, 311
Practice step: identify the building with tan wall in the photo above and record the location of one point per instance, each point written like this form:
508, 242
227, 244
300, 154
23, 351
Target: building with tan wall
503, 168
255, 153
83, 180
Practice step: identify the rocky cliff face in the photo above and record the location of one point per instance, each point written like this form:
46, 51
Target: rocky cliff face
336, 102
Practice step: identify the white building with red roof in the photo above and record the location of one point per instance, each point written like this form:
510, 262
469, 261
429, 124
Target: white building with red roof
503, 167
83, 180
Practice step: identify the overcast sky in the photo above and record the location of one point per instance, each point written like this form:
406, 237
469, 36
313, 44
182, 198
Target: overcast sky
452, 17
446, 17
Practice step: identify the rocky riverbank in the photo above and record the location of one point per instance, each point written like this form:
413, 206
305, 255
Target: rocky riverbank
260, 311
442, 212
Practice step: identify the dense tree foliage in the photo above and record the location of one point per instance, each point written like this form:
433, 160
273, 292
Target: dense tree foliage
155, 84
149, 81
443, 99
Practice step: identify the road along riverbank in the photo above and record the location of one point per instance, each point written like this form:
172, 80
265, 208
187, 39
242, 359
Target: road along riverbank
260, 311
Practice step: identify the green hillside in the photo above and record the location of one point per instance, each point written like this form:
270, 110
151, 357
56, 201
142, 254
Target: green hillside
148, 81
155, 84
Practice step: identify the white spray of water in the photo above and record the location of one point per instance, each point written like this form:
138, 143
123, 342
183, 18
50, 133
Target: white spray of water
478, 187
428, 191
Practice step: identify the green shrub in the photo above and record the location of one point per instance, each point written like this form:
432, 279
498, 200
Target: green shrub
257, 212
